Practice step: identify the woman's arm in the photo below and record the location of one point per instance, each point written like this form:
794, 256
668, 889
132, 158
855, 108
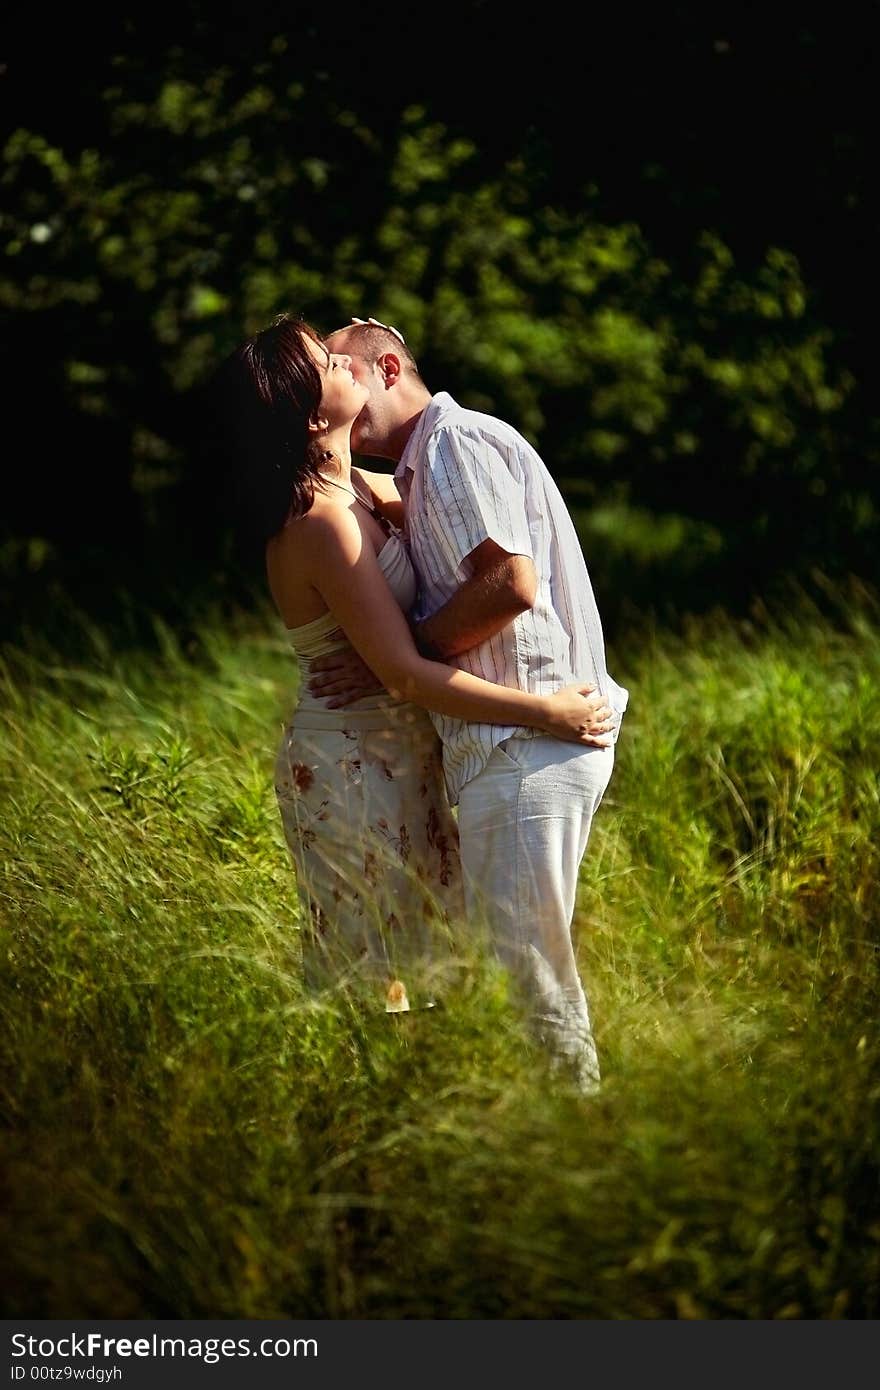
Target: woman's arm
344, 570
384, 489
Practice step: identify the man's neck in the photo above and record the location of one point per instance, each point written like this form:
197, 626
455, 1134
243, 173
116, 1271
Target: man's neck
402, 434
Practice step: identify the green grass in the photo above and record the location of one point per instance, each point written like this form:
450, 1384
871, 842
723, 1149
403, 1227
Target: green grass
187, 1134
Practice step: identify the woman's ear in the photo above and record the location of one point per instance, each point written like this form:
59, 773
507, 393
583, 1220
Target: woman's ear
319, 425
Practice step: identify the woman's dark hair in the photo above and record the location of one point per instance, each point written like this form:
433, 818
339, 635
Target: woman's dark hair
267, 391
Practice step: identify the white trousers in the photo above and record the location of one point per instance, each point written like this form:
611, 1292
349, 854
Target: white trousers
523, 824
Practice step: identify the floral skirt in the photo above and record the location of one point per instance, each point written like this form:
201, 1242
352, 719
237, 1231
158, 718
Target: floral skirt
375, 848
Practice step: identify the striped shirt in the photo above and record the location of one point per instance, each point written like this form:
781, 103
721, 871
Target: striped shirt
465, 478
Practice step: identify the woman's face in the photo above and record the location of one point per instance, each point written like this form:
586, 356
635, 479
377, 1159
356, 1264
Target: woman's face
342, 397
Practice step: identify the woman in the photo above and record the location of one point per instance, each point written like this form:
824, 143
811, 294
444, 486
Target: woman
360, 789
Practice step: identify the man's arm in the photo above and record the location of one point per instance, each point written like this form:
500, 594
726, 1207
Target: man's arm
500, 578
499, 588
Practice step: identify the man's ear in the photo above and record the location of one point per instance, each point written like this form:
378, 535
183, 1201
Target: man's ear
389, 367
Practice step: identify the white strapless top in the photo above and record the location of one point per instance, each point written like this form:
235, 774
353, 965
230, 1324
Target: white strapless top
323, 635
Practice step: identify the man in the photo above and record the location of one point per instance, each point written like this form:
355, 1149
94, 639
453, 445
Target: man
503, 593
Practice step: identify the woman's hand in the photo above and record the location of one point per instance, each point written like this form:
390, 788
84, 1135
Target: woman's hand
579, 714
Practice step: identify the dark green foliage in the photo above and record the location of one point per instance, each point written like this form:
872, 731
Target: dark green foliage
672, 301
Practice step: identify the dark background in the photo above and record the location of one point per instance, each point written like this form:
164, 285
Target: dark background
649, 241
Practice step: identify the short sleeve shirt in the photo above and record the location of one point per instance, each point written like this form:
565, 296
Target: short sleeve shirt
466, 477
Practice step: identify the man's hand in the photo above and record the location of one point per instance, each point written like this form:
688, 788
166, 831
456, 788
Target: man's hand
344, 676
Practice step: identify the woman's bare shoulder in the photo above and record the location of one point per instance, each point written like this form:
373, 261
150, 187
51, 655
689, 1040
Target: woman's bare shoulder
308, 548
326, 531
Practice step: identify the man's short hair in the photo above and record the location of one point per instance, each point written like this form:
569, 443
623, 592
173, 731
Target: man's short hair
374, 339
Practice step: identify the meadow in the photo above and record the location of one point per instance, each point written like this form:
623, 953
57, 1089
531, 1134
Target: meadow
186, 1133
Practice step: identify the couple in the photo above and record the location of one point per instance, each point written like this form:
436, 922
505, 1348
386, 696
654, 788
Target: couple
502, 645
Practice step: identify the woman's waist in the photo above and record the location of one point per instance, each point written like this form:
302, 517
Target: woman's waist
372, 712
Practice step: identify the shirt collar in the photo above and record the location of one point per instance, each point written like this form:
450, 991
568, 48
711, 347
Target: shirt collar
438, 405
